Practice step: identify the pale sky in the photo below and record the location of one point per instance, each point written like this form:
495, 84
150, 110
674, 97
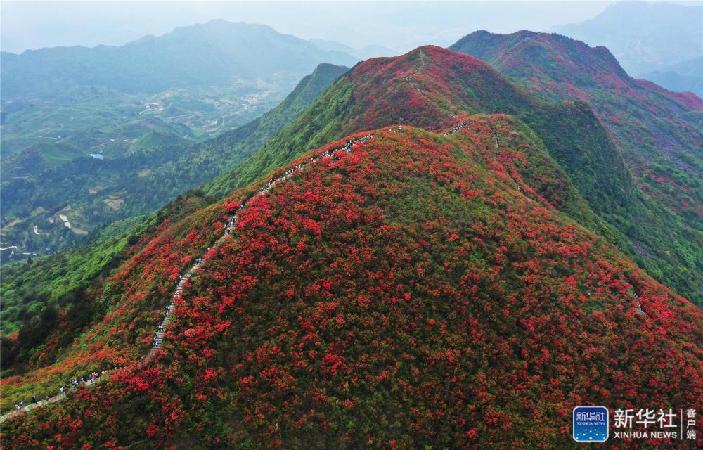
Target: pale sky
397, 25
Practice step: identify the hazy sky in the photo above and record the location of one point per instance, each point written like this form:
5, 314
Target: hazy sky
398, 25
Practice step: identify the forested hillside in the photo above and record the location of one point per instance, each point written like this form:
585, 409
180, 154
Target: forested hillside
656, 131
393, 294
431, 255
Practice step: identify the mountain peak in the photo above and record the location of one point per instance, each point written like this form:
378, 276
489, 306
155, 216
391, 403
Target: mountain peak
423, 87
422, 58
543, 54
569, 67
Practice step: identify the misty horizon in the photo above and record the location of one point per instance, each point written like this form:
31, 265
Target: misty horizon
399, 26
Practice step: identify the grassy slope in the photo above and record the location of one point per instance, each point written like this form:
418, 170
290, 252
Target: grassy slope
69, 284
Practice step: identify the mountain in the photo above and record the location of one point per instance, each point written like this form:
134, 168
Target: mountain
158, 167
398, 294
683, 76
442, 282
214, 53
413, 89
657, 132
656, 34
409, 89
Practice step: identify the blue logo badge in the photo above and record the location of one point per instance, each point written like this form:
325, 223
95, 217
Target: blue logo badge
590, 424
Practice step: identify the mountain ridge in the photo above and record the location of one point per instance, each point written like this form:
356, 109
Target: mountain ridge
656, 131
258, 341
397, 292
406, 90
213, 53
590, 63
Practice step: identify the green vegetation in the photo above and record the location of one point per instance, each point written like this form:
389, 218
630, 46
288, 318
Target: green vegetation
148, 165
655, 201
56, 297
413, 292
400, 291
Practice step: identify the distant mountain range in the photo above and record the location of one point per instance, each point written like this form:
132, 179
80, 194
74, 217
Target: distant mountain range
682, 76
214, 53
654, 40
